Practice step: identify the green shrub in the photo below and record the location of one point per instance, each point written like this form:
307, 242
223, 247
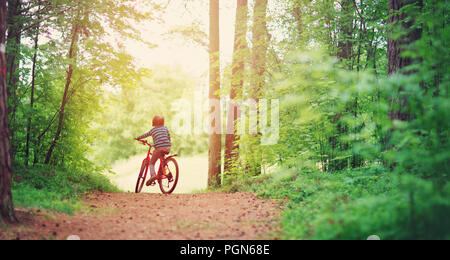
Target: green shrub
412, 210
55, 189
356, 204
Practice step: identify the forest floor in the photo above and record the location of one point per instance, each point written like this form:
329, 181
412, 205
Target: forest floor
126, 216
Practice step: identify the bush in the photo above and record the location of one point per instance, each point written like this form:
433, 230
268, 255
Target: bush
55, 189
356, 204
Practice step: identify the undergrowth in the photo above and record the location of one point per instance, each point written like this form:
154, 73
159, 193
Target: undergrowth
55, 189
354, 204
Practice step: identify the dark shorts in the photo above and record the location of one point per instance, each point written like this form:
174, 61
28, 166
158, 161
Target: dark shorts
158, 153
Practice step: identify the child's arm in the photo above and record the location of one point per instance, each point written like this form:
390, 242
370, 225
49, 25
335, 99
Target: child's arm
145, 135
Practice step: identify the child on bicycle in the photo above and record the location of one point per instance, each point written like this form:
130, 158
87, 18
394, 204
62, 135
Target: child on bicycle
161, 141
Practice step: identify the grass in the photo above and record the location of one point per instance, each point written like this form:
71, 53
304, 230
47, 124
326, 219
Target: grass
354, 204
55, 189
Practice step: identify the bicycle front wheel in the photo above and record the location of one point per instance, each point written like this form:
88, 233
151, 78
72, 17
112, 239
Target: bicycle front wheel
142, 176
169, 180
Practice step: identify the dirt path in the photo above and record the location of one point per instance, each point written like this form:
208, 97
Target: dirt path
211, 216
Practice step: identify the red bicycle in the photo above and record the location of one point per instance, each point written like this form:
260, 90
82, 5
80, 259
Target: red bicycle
167, 175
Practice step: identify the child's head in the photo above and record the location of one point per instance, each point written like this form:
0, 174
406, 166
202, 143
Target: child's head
158, 121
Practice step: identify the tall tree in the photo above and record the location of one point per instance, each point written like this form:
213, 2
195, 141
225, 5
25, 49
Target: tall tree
237, 81
260, 44
297, 12
72, 62
6, 204
215, 138
91, 61
399, 19
345, 44
33, 86
14, 22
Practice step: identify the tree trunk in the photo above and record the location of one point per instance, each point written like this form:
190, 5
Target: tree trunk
345, 44
215, 138
298, 15
6, 204
33, 84
14, 28
396, 46
260, 42
237, 82
397, 62
72, 60
260, 46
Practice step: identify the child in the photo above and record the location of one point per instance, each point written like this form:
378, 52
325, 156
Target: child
161, 141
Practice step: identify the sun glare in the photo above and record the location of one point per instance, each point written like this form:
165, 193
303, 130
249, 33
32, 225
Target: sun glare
177, 51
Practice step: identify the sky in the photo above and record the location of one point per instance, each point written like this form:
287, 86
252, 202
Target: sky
175, 50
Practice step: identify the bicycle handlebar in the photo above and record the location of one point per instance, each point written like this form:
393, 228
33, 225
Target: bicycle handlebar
144, 142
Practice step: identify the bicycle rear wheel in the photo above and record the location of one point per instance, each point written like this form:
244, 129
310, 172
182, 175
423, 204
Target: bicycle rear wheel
169, 180
142, 176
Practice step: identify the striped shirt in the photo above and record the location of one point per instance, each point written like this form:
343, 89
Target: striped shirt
161, 137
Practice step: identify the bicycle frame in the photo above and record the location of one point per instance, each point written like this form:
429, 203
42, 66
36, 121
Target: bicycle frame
164, 172
160, 174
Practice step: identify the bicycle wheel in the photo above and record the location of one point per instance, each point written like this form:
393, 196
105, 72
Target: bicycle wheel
142, 176
169, 180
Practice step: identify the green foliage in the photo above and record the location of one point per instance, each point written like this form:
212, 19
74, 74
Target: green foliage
421, 146
56, 35
128, 113
98, 63
347, 168
56, 189
328, 118
356, 204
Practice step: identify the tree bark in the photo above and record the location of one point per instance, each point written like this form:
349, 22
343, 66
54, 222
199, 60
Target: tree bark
237, 82
345, 44
260, 42
33, 84
6, 204
298, 15
260, 46
397, 62
72, 60
14, 28
215, 138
